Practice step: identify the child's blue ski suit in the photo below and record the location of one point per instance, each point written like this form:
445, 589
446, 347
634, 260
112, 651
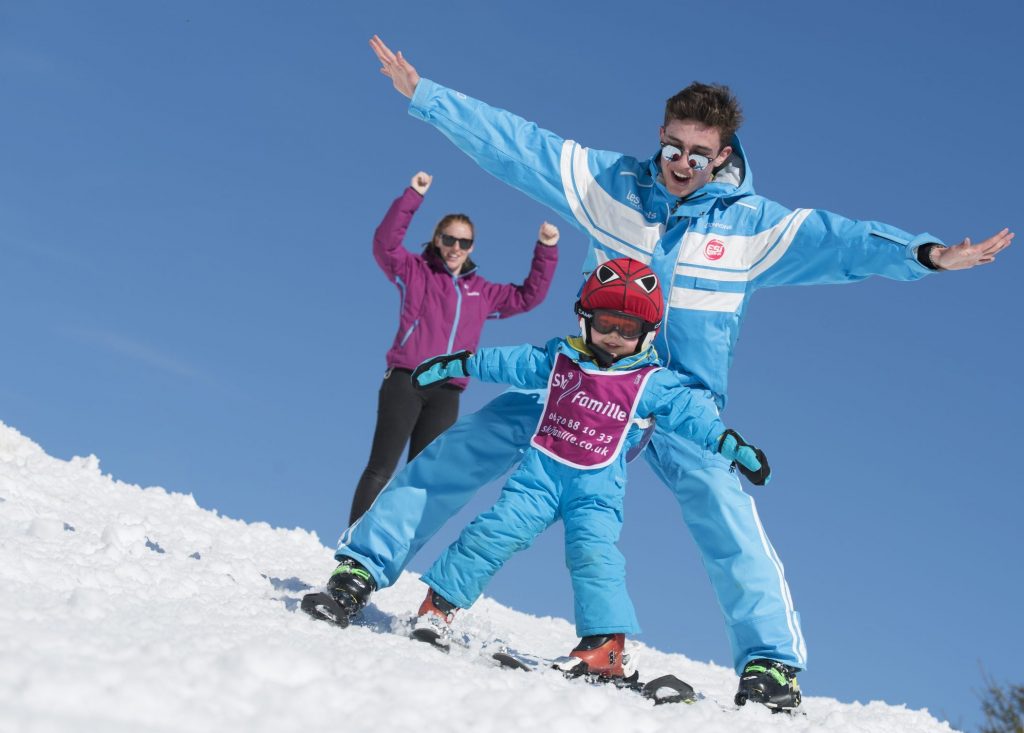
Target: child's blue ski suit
546, 487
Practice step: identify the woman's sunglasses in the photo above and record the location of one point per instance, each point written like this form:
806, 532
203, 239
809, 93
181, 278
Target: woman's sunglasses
449, 241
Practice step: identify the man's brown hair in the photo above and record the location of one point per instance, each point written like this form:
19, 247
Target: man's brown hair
713, 105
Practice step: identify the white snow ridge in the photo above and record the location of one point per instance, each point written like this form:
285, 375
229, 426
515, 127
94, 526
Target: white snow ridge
129, 609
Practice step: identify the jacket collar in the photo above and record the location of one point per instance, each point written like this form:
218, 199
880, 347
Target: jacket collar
732, 180
583, 352
435, 262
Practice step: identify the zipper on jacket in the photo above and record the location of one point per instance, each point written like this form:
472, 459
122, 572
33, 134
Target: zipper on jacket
672, 284
409, 332
401, 293
458, 312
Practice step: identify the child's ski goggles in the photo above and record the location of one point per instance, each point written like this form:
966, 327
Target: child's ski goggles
629, 327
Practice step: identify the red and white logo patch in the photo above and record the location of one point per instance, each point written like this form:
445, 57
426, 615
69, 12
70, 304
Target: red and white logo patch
714, 249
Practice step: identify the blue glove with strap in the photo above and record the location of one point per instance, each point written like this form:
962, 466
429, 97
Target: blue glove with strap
751, 461
440, 369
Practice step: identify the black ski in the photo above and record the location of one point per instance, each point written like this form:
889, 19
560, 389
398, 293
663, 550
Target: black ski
323, 607
662, 690
429, 636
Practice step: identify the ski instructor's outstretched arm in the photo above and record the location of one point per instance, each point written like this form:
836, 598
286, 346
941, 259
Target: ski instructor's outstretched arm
537, 182
514, 150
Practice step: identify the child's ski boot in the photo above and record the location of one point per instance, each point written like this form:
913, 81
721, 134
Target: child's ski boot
770, 683
433, 623
601, 657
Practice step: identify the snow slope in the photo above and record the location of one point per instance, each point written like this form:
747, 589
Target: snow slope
130, 609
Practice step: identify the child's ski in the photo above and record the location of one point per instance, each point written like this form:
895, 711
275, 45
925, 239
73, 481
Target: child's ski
662, 690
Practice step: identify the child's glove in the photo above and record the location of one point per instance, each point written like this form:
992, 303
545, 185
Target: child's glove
751, 461
440, 369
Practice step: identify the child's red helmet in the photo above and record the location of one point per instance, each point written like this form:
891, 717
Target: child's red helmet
623, 286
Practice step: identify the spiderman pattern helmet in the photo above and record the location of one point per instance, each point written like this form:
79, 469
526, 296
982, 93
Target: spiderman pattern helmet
619, 293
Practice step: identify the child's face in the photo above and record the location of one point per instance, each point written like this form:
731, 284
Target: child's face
613, 343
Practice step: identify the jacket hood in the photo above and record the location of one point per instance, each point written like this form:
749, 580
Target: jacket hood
733, 179
435, 262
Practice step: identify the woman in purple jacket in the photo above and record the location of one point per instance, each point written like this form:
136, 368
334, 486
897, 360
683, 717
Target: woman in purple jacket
444, 305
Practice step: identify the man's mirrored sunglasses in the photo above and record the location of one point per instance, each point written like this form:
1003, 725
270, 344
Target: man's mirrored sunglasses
697, 161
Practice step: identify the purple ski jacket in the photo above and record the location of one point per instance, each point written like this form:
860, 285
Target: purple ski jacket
440, 312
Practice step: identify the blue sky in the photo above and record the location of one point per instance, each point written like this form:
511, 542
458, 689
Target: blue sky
188, 193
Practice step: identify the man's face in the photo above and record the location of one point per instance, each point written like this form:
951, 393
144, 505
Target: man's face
691, 137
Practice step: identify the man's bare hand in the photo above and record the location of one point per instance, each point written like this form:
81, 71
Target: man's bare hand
395, 67
965, 255
421, 182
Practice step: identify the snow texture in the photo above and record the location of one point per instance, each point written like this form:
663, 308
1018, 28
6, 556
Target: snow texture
127, 609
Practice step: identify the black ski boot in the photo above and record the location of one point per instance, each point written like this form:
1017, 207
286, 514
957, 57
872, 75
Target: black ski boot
348, 592
770, 683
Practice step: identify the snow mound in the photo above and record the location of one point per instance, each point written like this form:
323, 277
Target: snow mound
133, 609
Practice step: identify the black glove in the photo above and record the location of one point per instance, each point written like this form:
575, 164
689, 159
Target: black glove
440, 369
751, 461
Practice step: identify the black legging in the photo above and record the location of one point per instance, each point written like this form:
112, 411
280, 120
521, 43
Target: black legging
404, 413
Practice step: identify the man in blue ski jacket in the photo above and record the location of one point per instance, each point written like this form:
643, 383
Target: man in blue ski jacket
691, 214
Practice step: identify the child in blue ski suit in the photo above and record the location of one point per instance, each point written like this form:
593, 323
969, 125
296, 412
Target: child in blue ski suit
575, 468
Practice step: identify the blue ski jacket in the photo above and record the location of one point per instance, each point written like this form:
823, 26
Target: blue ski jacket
667, 396
712, 250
